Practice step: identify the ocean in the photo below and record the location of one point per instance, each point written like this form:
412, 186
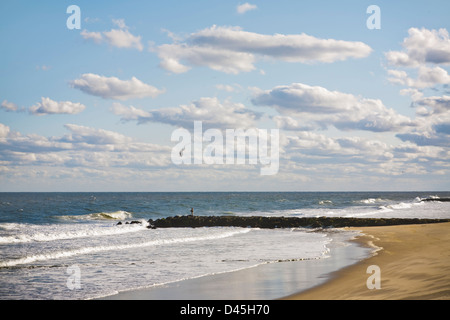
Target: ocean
70, 246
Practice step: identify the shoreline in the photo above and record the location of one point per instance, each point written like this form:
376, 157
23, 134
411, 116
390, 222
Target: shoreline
268, 281
413, 261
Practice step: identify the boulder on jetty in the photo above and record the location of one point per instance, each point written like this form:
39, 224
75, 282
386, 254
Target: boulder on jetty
280, 222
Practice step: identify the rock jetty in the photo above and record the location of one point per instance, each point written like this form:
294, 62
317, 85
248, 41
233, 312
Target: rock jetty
280, 222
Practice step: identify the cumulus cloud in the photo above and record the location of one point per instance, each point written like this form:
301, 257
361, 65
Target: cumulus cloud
114, 88
243, 8
212, 112
420, 66
123, 39
82, 147
433, 118
426, 77
353, 149
15, 143
49, 106
303, 106
425, 53
232, 50
320, 155
435, 105
120, 38
422, 46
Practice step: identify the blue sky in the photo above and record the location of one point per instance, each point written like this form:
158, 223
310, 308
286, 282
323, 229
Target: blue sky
93, 109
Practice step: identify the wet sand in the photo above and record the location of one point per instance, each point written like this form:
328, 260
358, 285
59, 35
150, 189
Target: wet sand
264, 282
413, 261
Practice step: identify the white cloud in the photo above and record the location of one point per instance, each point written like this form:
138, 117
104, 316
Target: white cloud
425, 52
324, 157
120, 38
48, 106
4, 131
16, 143
422, 46
210, 111
243, 8
94, 136
437, 105
217, 59
130, 113
232, 50
303, 106
294, 48
82, 147
426, 77
94, 36
114, 88
346, 150
9, 106
433, 119
123, 39
290, 123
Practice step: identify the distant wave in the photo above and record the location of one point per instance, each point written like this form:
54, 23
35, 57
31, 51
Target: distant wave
116, 215
387, 208
371, 200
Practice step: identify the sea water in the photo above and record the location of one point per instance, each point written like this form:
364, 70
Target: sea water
70, 245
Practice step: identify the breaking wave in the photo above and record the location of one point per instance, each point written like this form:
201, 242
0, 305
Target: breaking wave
115, 215
37, 233
103, 248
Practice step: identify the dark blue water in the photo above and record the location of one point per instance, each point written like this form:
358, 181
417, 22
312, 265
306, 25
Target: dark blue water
38, 208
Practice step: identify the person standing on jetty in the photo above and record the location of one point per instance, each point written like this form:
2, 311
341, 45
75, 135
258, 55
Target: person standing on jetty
192, 211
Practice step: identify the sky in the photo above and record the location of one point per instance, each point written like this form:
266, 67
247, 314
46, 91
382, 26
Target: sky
106, 97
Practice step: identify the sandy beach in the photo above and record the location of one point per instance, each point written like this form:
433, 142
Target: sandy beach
413, 261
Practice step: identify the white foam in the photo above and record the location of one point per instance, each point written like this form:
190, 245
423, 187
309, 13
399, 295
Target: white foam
96, 249
401, 205
371, 200
43, 233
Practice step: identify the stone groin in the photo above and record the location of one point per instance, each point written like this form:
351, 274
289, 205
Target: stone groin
281, 222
